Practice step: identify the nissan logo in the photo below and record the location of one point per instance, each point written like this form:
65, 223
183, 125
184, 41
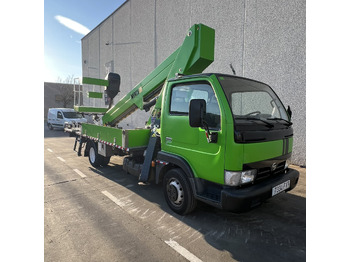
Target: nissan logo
273, 167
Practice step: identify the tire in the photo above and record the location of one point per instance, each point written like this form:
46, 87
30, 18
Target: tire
178, 192
50, 126
105, 160
94, 158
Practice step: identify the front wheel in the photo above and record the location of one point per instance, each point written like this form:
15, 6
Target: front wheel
178, 192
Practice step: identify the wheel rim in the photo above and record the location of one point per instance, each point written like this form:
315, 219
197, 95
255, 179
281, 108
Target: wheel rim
175, 192
92, 155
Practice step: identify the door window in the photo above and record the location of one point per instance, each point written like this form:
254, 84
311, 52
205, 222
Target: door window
182, 94
59, 115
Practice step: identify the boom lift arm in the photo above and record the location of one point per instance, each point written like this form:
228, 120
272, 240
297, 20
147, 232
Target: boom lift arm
192, 57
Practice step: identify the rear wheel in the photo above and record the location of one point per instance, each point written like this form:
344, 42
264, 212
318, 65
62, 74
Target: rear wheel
94, 158
105, 160
178, 192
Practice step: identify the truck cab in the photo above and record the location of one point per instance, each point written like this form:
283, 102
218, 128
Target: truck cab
233, 137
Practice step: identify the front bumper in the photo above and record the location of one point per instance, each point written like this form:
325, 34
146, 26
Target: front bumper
72, 129
243, 199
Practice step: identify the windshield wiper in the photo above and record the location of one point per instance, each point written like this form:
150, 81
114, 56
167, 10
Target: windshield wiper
288, 123
259, 119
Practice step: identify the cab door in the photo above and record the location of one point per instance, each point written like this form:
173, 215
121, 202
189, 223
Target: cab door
206, 159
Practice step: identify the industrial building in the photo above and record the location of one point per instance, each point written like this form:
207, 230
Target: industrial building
263, 40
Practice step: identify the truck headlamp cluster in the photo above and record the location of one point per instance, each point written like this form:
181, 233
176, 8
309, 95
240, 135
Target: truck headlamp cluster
239, 178
288, 162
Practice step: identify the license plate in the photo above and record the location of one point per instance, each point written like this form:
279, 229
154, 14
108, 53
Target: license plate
281, 187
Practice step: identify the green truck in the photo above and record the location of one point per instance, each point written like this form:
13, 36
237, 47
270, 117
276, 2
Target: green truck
221, 139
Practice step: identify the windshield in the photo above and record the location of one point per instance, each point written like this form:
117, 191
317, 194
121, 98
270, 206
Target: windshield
72, 115
250, 100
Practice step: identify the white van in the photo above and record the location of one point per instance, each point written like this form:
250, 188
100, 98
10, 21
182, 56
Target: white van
59, 117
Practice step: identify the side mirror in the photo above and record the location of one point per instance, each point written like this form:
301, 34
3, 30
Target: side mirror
289, 112
197, 111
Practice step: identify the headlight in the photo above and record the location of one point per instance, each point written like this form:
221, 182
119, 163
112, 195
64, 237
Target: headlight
238, 178
248, 176
232, 178
288, 162
68, 124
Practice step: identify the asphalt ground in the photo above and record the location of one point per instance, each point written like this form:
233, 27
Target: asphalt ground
104, 215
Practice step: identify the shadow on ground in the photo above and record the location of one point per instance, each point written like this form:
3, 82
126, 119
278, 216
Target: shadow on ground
274, 231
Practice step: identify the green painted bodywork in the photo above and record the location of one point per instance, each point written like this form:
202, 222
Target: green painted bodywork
195, 54
95, 81
290, 148
93, 110
95, 95
134, 138
207, 160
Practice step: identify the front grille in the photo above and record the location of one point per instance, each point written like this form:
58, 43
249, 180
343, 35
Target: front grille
265, 172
